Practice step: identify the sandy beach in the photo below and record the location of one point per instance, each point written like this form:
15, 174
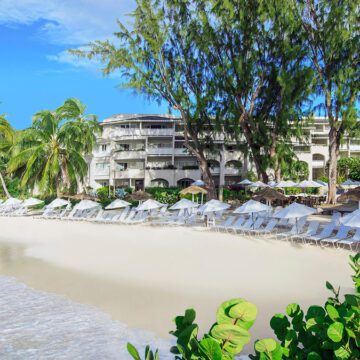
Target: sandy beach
144, 275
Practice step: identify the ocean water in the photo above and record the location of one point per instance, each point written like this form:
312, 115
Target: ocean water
35, 325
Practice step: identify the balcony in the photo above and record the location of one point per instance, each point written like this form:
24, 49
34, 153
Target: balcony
130, 174
124, 155
181, 151
160, 151
157, 132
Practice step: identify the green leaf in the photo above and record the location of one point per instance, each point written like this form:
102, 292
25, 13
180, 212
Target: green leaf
211, 348
335, 331
244, 312
342, 353
133, 352
315, 312
265, 345
329, 286
234, 336
313, 356
292, 309
332, 312
222, 314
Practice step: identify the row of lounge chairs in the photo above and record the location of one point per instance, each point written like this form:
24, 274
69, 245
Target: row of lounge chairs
306, 232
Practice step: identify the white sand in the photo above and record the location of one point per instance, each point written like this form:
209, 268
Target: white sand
146, 275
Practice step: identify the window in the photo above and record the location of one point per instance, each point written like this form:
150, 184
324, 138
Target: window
103, 147
102, 166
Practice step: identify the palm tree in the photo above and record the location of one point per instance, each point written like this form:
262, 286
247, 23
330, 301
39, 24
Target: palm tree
6, 142
52, 151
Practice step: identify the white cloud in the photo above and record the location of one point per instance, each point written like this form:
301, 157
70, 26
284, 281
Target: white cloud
68, 22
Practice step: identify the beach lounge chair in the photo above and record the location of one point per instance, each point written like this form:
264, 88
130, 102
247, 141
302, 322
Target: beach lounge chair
311, 231
335, 218
131, 215
342, 234
283, 222
255, 226
353, 242
246, 226
237, 224
227, 223
268, 229
325, 233
296, 229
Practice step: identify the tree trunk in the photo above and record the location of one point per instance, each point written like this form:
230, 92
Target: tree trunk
4, 186
255, 150
274, 159
207, 176
334, 145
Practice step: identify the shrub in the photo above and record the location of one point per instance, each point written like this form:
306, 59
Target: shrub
349, 167
328, 332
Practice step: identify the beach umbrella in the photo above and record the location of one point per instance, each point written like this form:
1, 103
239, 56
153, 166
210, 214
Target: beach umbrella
184, 204
86, 205
194, 190
251, 207
272, 183
245, 182
12, 202
322, 183
58, 203
295, 211
140, 196
198, 183
81, 196
117, 204
213, 206
286, 184
31, 202
350, 183
149, 204
269, 194
258, 184
352, 195
308, 184
352, 219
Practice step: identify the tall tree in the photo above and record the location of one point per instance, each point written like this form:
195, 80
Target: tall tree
332, 34
257, 64
51, 152
6, 142
158, 57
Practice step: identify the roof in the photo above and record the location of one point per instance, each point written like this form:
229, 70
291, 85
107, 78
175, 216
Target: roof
118, 118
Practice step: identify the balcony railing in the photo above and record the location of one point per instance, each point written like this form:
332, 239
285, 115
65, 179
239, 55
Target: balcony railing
129, 173
160, 151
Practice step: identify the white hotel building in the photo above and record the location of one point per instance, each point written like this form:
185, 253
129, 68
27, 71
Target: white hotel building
148, 150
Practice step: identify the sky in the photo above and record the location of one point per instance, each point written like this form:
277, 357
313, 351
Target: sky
36, 71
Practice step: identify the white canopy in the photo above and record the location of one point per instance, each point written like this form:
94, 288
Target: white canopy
117, 204
213, 206
272, 183
86, 205
350, 183
352, 219
258, 184
322, 183
31, 202
308, 184
12, 202
198, 183
245, 182
285, 184
58, 203
295, 210
183, 204
149, 204
251, 206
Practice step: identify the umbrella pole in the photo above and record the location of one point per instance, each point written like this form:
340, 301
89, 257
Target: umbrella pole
297, 230
202, 198
252, 218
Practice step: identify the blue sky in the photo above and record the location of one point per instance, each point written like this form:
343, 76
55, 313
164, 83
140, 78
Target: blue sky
37, 73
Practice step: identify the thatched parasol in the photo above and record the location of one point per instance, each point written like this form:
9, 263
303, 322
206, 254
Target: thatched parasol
140, 196
194, 190
269, 194
352, 195
82, 196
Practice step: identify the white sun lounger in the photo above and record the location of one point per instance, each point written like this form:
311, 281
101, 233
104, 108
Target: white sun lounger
295, 230
311, 231
227, 223
238, 223
255, 225
268, 229
353, 241
246, 226
342, 234
325, 233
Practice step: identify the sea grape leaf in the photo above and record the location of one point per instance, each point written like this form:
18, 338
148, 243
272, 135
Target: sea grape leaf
233, 337
245, 312
313, 356
211, 348
335, 331
265, 345
222, 314
292, 309
332, 312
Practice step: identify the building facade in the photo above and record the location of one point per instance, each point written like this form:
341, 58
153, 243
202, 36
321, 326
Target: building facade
148, 150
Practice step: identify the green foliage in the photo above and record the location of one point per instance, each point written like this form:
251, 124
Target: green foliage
165, 195
250, 175
105, 195
328, 332
349, 168
296, 170
51, 153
